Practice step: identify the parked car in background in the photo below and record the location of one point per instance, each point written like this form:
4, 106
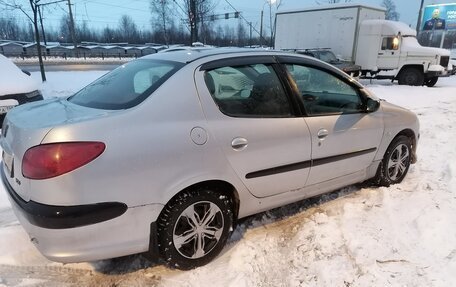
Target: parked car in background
165, 153
327, 56
16, 87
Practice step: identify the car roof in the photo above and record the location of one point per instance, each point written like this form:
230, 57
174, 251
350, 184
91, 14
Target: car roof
193, 54
188, 55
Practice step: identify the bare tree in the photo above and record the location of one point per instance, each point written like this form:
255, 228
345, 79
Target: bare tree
9, 29
161, 9
64, 29
241, 34
273, 7
11, 4
128, 29
196, 13
391, 13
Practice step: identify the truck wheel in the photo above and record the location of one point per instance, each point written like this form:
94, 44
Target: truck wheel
431, 81
194, 226
411, 77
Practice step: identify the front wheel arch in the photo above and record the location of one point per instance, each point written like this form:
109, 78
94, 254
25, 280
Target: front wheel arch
396, 161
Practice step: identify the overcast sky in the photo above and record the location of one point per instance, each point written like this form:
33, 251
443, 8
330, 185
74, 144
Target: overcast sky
102, 13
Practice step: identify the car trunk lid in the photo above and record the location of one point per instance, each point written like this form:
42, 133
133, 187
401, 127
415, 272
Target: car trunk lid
27, 125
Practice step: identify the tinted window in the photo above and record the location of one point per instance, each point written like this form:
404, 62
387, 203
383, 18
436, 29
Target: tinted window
323, 93
248, 91
126, 86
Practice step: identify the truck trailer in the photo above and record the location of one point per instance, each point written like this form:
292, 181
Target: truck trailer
360, 34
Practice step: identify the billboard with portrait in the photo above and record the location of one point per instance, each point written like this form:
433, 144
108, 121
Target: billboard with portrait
439, 17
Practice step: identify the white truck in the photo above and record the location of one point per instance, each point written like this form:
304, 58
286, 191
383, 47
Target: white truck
358, 33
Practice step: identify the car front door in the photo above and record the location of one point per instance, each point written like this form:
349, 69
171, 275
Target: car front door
251, 117
344, 137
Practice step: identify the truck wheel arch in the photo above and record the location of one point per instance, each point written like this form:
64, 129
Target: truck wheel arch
412, 75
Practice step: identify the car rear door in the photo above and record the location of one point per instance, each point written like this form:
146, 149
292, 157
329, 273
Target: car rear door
254, 121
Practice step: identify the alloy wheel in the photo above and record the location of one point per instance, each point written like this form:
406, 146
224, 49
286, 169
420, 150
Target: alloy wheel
198, 229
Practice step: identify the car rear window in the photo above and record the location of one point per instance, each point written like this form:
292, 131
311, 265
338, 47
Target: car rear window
126, 86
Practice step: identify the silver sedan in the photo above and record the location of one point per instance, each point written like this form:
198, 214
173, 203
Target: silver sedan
165, 153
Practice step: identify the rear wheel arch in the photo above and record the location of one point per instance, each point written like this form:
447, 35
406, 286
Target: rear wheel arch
194, 224
219, 186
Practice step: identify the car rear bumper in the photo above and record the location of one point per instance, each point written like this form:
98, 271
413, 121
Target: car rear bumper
106, 231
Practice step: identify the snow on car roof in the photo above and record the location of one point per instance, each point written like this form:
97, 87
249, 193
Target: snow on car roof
13, 80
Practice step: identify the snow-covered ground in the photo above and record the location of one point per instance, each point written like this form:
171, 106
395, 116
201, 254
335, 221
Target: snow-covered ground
403, 235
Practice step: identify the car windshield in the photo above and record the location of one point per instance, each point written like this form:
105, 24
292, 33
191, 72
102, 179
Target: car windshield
327, 56
126, 86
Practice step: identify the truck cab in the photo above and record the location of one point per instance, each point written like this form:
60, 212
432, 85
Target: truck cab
389, 50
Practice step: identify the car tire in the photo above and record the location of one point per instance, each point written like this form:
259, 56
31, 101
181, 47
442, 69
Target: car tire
431, 81
194, 227
411, 77
396, 162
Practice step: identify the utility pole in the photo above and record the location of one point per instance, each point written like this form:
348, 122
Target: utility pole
261, 28
73, 35
250, 35
41, 22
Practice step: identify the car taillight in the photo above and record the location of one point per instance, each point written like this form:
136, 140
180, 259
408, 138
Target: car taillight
51, 160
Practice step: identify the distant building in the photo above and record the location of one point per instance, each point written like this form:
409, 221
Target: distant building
31, 50
57, 50
11, 49
139, 51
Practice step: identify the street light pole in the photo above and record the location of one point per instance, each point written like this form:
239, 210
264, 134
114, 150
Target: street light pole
420, 16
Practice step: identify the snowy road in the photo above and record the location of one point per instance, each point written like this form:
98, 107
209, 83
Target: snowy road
404, 235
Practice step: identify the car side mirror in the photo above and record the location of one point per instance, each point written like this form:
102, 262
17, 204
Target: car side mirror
372, 105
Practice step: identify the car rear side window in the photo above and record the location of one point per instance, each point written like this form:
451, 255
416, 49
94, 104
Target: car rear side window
248, 91
126, 86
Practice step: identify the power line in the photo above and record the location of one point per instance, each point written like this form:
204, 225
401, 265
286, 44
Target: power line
243, 18
116, 6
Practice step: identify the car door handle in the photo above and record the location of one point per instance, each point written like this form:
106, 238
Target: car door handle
239, 143
322, 133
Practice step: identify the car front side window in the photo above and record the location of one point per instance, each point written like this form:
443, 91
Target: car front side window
248, 91
323, 93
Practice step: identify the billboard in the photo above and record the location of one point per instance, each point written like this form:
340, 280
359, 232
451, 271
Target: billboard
439, 17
